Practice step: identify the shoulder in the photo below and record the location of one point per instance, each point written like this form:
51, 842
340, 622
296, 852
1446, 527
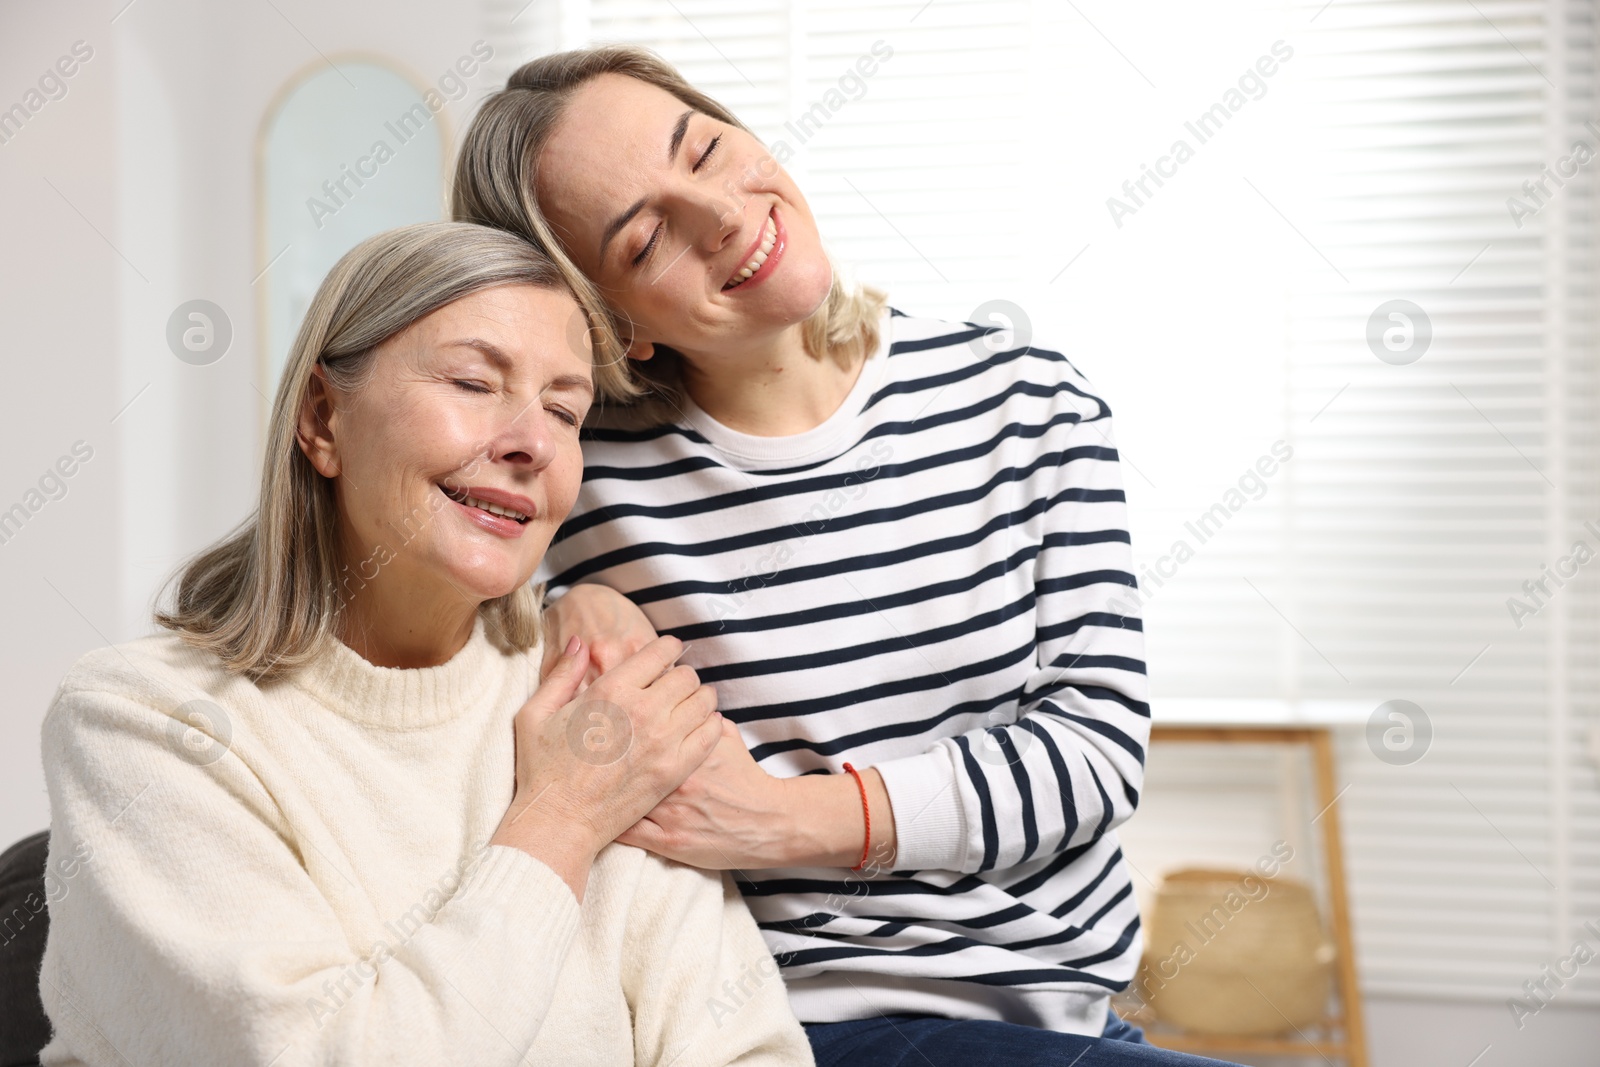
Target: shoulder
619, 439
154, 667
157, 680
997, 352
643, 419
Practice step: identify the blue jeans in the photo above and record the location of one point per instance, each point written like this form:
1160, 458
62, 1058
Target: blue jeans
1117, 1030
931, 1041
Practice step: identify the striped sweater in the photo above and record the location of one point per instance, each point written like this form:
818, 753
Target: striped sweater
934, 581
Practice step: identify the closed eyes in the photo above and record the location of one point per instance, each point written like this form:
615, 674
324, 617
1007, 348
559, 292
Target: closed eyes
655, 235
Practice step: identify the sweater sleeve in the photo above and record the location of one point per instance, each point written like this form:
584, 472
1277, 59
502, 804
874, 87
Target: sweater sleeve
704, 989
1065, 763
192, 932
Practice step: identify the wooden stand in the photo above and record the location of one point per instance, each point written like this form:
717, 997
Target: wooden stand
1346, 1033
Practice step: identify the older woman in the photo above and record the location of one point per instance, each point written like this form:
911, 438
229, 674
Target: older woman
323, 819
898, 546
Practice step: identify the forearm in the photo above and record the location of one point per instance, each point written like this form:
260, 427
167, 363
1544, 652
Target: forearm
1061, 775
486, 969
552, 839
472, 985
198, 979
828, 825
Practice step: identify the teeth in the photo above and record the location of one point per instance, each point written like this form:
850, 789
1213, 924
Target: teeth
494, 509
461, 497
769, 238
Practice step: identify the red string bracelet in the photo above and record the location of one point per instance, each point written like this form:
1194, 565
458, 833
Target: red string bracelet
866, 813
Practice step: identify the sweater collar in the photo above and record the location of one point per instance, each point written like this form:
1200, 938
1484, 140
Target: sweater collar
398, 698
820, 443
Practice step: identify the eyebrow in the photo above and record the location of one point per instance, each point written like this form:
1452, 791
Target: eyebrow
568, 381
679, 130
491, 351
617, 224
503, 363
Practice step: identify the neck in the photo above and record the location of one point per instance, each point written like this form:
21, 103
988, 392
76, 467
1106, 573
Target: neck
389, 623
776, 389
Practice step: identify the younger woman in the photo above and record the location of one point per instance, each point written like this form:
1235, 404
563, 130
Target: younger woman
891, 542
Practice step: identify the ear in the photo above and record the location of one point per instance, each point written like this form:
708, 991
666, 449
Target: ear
314, 429
637, 346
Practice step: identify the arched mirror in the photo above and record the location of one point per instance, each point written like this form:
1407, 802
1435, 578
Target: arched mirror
348, 148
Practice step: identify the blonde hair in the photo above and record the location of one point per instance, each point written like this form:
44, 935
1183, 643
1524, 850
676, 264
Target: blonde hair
266, 597
496, 182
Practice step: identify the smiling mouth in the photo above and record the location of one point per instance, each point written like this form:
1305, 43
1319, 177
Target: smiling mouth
460, 497
769, 238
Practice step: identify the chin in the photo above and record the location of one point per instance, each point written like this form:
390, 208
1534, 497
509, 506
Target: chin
492, 591
488, 581
808, 286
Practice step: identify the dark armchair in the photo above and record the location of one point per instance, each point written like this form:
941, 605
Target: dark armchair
24, 919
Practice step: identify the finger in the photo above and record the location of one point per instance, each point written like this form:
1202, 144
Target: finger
645, 831
649, 663
559, 623
552, 651
674, 687
695, 709
642, 834
564, 679
701, 741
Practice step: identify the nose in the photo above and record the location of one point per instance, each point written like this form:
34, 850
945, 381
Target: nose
729, 220
711, 217
525, 439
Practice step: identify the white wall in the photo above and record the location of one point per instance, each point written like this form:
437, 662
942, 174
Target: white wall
1421, 1033
154, 146
59, 298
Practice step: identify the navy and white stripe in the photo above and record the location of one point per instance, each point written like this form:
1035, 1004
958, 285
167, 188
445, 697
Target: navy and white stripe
936, 582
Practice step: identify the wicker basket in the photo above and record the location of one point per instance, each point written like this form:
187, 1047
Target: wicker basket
1231, 952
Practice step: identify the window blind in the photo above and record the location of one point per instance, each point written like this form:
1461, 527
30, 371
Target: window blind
1427, 493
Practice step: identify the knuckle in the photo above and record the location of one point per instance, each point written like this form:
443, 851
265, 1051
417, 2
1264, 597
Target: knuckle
603, 688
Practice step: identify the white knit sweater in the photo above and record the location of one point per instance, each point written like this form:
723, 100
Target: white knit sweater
298, 872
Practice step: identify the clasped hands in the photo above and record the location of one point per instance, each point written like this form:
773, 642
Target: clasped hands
729, 813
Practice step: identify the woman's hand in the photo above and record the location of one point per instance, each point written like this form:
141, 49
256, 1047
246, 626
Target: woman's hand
610, 624
731, 814
589, 766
